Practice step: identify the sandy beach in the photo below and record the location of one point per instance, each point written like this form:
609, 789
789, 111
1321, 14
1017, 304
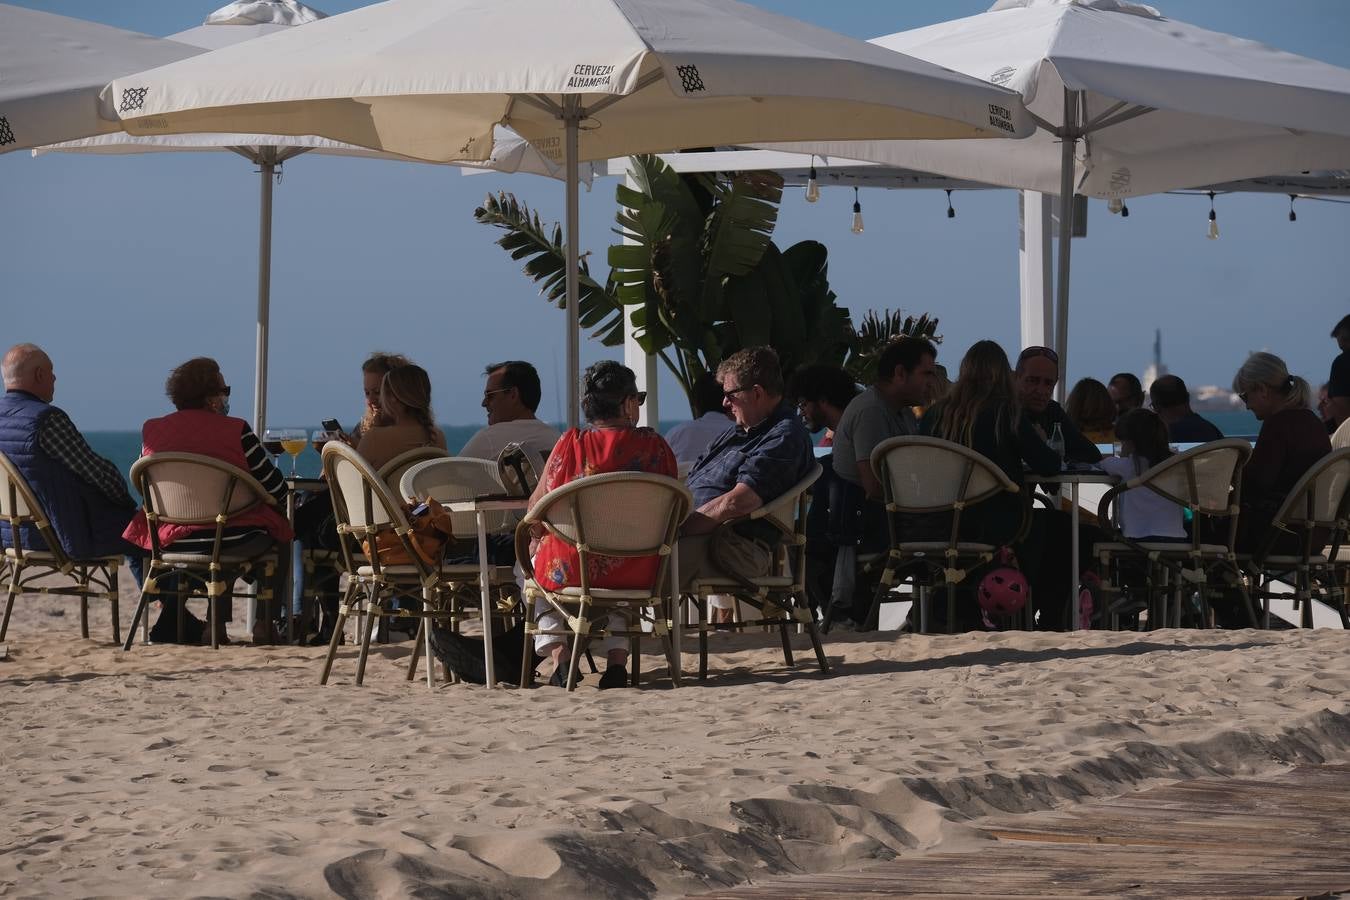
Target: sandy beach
182, 772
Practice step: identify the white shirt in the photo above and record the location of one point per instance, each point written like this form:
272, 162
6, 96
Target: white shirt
1341, 439
690, 440
536, 436
1143, 513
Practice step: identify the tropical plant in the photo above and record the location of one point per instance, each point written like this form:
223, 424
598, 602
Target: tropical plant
876, 331
699, 275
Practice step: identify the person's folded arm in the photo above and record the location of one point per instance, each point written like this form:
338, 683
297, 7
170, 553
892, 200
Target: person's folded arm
1035, 452
734, 504
1078, 448
260, 465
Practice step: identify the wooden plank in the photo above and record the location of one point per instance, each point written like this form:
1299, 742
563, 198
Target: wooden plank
1286, 836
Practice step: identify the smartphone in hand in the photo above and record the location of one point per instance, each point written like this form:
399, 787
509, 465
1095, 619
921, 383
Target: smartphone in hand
332, 425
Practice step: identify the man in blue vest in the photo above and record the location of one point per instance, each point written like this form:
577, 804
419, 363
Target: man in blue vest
84, 494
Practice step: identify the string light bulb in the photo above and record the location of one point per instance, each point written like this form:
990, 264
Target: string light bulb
951, 213
1293, 216
812, 187
1115, 205
1213, 219
857, 214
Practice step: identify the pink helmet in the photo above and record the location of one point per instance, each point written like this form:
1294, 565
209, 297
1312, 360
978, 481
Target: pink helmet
1003, 591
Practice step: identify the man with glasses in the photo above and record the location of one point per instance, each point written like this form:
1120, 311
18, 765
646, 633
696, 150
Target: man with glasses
510, 397
84, 494
750, 465
1036, 375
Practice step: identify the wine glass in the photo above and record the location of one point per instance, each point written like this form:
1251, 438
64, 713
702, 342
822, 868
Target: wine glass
271, 441
321, 437
293, 441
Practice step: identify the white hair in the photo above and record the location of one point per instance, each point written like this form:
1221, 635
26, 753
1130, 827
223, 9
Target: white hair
19, 363
1269, 370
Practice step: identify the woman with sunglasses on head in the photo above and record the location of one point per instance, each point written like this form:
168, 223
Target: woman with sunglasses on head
203, 425
611, 442
1291, 440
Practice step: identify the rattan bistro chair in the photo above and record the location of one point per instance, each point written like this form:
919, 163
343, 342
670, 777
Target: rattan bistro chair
928, 476
1206, 480
618, 514
21, 510
1317, 509
392, 472
202, 491
780, 596
462, 478
366, 509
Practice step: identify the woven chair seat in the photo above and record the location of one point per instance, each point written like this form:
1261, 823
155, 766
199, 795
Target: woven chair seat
1163, 548
1285, 562
731, 585
602, 594
252, 550
940, 547
46, 557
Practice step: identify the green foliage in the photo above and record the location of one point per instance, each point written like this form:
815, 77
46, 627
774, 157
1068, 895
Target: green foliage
879, 329
699, 276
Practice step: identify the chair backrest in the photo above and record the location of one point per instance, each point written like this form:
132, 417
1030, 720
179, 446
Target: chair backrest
457, 478
616, 514
1321, 498
929, 475
19, 506
517, 470
361, 498
191, 489
393, 471
783, 511
1204, 479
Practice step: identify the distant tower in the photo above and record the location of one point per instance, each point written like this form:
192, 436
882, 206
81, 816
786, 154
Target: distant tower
1155, 369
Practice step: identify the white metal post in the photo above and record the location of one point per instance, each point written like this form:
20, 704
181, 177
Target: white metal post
1034, 263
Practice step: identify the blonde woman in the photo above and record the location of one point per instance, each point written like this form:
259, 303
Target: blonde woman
405, 405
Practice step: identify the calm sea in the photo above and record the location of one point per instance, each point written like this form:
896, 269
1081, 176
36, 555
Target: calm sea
124, 447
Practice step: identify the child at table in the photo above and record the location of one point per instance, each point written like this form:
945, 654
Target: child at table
1144, 514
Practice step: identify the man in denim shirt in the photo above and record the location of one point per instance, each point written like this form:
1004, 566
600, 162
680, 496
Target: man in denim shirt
753, 464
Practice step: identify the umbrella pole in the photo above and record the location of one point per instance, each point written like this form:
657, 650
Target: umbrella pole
1069, 140
266, 168
571, 121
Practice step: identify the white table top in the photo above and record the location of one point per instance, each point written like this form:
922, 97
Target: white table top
486, 505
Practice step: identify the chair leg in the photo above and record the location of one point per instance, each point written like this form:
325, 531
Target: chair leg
951, 608
84, 612
424, 631
634, 659
113, 595
9, 600
702, 604
787, 640
527, 646
338, 625
814, 634
372, 615
212, 613
574, 658
417, 649
139, 616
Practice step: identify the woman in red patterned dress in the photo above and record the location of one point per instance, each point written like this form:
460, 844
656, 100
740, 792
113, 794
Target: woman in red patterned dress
611, 442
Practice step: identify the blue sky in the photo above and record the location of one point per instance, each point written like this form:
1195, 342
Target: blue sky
123, 267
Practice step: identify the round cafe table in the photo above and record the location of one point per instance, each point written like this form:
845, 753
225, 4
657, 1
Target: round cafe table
1074, 479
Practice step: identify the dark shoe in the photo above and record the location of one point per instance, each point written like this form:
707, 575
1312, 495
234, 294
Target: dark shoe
165, 629
614, 677
462, 655
559, 676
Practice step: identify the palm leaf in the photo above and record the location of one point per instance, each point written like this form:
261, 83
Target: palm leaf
545, 256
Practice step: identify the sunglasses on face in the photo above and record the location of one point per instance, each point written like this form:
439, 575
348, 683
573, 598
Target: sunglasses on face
727, 395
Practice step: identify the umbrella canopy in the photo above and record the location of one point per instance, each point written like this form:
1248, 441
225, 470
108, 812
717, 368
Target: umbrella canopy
1159, 104
53, 67
429, 79
1129, 102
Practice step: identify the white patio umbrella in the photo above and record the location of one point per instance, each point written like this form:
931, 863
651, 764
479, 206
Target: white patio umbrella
1129, 102
53, 67
243, 21
584, 80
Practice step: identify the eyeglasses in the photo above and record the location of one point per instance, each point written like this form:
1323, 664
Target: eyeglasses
727, 395
1031, 352
224, 391
641, 397
487, 394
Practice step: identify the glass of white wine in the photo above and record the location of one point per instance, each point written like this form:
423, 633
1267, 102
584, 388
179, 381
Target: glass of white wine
293, 441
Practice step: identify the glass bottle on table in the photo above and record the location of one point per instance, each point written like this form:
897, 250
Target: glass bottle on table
1056, 443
